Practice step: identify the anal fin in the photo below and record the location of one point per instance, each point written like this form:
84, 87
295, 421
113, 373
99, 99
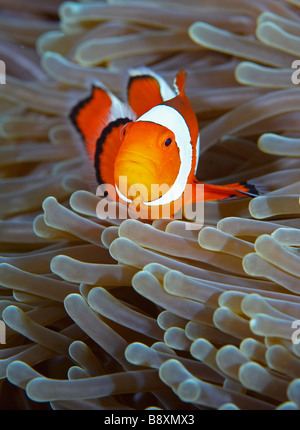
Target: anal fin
220, 192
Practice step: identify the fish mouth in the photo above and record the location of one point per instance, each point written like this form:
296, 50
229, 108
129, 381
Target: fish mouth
140, 172
148, 165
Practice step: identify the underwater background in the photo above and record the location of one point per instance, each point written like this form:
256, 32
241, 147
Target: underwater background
111, 314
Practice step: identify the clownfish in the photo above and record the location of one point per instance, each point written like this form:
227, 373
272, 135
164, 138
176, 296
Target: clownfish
152, 139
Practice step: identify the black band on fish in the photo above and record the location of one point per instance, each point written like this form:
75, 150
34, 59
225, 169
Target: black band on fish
101, 142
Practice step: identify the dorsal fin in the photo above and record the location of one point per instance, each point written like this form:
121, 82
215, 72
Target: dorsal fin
143, 93
146, 89
179, 82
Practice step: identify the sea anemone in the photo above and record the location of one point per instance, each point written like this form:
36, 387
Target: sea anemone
113, 314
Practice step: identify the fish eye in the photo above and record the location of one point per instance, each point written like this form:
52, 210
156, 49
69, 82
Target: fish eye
123, 131
168, 141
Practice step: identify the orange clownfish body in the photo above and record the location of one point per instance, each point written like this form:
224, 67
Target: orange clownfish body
147, 149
